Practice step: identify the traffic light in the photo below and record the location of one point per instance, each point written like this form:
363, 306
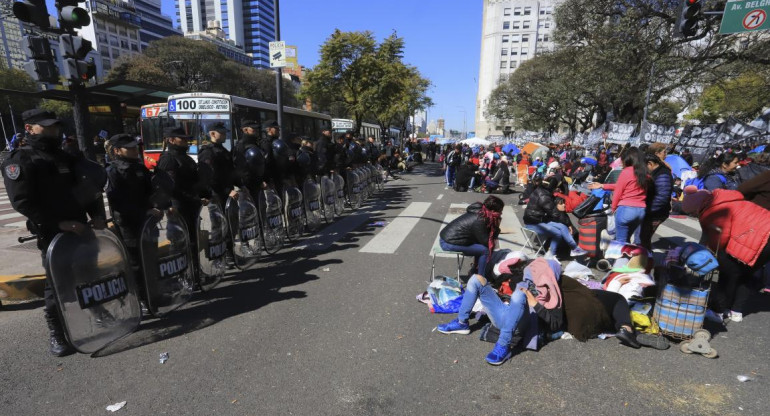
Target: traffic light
40, 66
32, 11
71, 16
74, 50
688, 17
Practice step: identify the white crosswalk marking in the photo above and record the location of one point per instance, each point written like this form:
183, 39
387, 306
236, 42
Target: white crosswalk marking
438, 198
341, 227
510, 230
390, 238
455, 210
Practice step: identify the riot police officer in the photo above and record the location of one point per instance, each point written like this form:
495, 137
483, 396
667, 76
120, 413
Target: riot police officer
44, 184
215, 164
131, 195
324, 150
188, 194
249, 159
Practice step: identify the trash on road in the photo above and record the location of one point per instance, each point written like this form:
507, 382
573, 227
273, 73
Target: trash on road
163, 357
326, 269
744, 379
115, 407
378, 224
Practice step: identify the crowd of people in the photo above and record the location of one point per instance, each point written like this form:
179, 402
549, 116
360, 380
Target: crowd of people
728, 192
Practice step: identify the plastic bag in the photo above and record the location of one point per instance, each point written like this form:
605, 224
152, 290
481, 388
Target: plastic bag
576, 270
611, 224
446, 295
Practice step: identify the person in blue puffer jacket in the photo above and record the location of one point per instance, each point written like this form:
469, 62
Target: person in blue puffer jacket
658, 199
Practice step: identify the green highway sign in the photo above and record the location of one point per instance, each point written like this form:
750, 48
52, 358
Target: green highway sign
745, 16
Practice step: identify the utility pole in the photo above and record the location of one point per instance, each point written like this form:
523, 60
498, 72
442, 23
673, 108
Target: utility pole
279, 71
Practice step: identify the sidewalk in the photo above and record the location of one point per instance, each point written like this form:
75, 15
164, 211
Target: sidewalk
21, 271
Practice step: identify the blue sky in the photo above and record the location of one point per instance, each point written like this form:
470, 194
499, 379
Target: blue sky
442, 40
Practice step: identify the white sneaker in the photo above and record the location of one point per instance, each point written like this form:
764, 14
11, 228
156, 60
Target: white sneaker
736, 316
714, 317
577, 252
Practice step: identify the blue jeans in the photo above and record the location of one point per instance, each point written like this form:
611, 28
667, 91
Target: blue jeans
628, 220
478, 251
491, 185
450, 176
557, 232
505, 317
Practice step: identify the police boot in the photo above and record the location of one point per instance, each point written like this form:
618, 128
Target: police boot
58, 345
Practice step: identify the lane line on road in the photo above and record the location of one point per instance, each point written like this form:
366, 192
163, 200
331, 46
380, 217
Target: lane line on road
336, 231
455, 210
510, 230
439, 196
390, 238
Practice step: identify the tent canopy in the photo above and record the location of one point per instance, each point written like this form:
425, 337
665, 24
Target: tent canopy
475, 141
678, 165
511, 149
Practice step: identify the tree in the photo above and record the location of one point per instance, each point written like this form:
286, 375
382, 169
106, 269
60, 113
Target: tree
192, 65
345, 74
18, 80
611, 51
742, 97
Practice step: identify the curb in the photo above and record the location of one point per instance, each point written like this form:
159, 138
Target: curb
21, 287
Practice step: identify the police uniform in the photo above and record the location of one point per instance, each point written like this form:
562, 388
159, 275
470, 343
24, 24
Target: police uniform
188, 190
216, 168
249, 160
42, 185
130, 193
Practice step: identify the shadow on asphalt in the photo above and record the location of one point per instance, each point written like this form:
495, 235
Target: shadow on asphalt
252, 289
22, 306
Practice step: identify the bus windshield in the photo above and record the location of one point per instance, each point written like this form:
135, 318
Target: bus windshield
198, 125
152, 119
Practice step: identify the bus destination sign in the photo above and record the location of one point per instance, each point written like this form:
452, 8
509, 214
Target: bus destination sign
199, 105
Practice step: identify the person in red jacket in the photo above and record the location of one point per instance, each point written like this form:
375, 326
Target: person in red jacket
738, 231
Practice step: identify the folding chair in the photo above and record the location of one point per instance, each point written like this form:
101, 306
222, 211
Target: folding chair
460, 259
532, 238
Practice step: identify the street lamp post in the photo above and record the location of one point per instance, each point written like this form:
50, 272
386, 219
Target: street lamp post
278, 72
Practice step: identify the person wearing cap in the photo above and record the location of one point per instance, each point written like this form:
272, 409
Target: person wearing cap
215, 164
40, 181
130, 193
188, 193
249, 158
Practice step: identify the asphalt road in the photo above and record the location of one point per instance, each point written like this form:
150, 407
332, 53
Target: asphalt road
326, 329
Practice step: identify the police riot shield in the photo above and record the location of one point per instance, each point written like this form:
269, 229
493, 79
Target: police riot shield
94, 287
245, 234
328, 198
169, 275
313, 211
273, 231
369, 181
339, 190
212, 245
295, 212
372, 178
354, 189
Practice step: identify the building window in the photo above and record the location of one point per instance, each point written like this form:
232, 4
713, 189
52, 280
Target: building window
516, 25
542, 11
525, 38
505, 38
102, 37
527, 11
124, 44
132, 34
115, 53
507, 12
526, 24
515, 38
506, 25
111, 28
106, 64
545, 38
122, 31
517, 11
134, 47
504, 64
514, 53
114, 40
524, 51
504, 52
547, 25
105, 52
549, 10
514, 64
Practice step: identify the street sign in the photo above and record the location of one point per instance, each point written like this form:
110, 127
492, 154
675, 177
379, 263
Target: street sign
199, 105
291, 57
745, 16
277, 54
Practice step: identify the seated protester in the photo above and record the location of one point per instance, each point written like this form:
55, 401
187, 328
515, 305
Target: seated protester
756, 165
555, 171
501, 178
553, 298
546, 218
475, 232
529, 189
718, 171
676, 198
738, 231
466, 177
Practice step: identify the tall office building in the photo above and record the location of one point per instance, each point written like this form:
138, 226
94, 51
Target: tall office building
513, 31
155, 25
250, 23
11, 32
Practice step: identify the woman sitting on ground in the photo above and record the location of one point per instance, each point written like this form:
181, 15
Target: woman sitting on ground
550, 220
475, 232
501, 178
554, 299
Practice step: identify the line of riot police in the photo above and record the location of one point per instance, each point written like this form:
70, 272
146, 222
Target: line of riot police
176, 229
